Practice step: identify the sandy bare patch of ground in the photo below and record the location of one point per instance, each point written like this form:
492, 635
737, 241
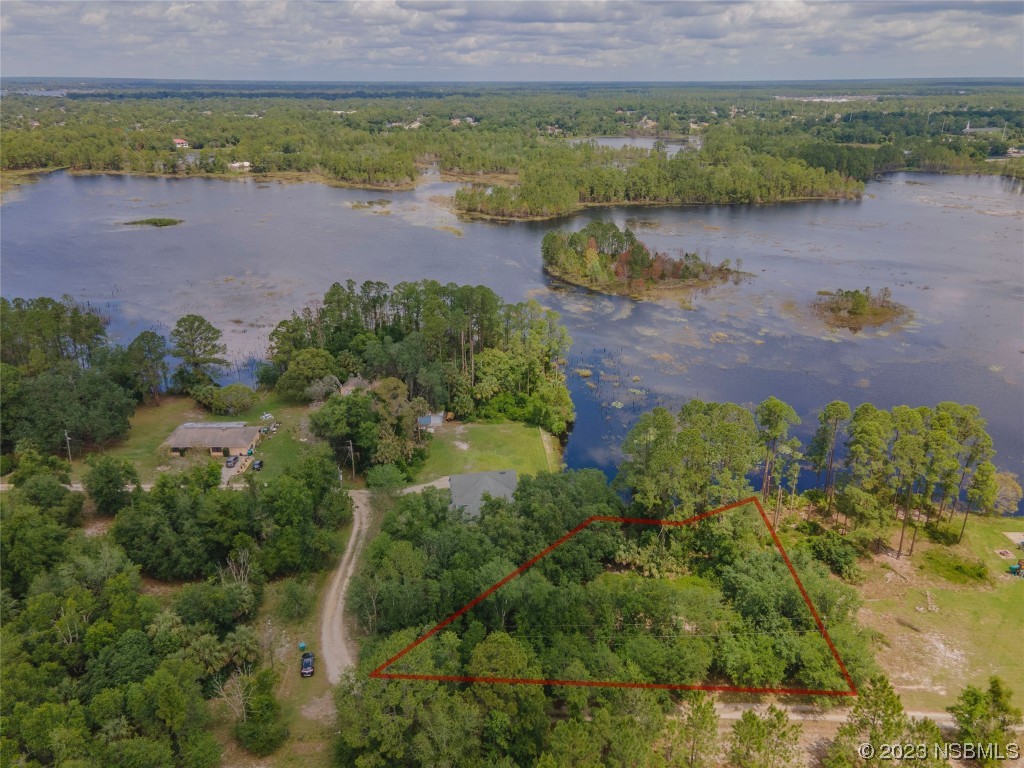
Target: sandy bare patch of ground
322, 709
1015, 536
461, 445
97, 526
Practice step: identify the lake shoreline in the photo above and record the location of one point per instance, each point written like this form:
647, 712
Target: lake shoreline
12, 180
278, 245
682, 290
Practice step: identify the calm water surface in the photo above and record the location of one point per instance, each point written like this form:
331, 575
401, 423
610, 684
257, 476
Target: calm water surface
950, 248
672, 146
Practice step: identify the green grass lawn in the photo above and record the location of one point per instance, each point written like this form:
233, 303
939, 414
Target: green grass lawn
152, 424
458, 448
976, 630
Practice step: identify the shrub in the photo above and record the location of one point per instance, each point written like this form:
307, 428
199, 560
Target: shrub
262, 732
231, 399
837, 553
267, 374
954, 568
815, 496
386, 477
335, 510
941, 534
810, 527
295, 600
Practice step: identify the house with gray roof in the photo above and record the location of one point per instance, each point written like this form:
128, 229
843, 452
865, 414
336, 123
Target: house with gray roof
468, 491
225, 438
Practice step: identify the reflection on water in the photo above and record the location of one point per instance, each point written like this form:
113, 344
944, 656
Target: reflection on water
247, 254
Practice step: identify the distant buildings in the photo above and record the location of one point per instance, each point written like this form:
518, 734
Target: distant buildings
430, 421
243, 165
180, 144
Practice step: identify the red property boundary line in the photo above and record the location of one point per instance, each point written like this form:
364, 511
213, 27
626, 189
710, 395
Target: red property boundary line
380, 674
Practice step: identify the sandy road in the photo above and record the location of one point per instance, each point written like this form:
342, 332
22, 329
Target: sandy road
729, 712
336, 647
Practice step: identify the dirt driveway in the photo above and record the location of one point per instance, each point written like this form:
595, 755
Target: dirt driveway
336, 646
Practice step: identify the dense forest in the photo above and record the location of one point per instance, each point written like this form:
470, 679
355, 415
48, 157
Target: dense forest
603, 257
95, 672
456, 348
99, 672
911, 467
757, 144
709, 602
728, 612
420, 346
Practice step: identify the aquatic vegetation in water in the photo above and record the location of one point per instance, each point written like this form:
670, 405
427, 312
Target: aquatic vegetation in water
156, 222
450, 230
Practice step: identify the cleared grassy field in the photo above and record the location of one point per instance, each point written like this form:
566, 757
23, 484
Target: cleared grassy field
458, 448
939, 635
152, 424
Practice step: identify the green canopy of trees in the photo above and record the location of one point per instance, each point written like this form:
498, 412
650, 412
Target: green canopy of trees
724, 607
457, 348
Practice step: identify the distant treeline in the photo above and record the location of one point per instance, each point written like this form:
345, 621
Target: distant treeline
760, 144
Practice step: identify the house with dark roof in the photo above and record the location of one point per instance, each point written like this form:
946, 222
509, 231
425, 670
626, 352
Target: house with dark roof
470, 490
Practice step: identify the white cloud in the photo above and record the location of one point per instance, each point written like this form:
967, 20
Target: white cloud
259, 39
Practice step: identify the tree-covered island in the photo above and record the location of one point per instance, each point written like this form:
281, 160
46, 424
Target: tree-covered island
857, 310
604, 258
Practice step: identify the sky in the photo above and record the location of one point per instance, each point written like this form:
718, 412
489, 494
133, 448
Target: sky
505, 40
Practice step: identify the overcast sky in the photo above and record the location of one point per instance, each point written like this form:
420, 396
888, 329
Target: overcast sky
501, 40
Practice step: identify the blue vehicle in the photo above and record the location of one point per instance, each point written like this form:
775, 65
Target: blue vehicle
308, 660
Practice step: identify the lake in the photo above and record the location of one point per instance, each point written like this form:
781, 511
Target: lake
672, 146
950, 248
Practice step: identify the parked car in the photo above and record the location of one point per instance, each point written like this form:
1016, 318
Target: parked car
308, 660
257, 465
232, 461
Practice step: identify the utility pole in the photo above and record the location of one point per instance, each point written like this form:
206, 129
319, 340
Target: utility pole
67, 439
352, 456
